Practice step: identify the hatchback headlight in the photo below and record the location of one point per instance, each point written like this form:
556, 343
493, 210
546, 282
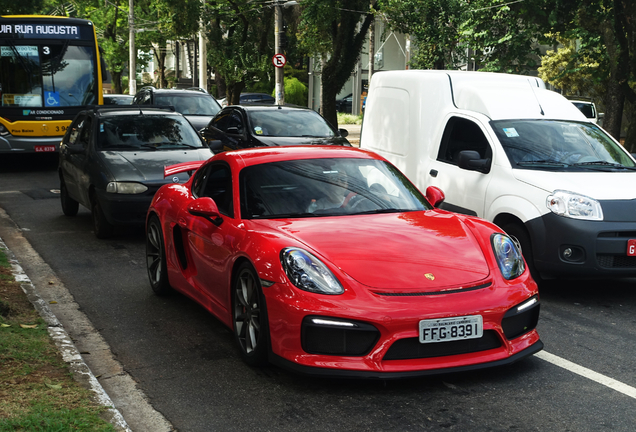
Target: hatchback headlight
575, 206
128, 188
308, 273
508, 255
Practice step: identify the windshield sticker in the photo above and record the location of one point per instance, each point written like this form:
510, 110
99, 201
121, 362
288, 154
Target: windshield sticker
258, 130
22, 50
51, 98
510, 132
101, 127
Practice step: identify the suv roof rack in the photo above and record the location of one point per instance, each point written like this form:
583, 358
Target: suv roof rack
109, 108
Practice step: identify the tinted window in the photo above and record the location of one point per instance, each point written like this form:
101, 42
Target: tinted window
147, 132
190, 104
323, 187
288, 123
216, 182
462, 134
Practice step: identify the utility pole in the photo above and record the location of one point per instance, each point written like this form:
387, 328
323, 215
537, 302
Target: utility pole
132, 54
280, 73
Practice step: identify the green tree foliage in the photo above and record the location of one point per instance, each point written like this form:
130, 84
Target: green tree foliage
295, 92
335, 31
434, 26
240, 34
23, 7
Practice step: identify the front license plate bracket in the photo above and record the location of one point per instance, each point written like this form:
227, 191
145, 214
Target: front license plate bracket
451, 329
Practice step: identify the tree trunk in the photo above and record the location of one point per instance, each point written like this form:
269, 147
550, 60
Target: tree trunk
630, 138
116, 82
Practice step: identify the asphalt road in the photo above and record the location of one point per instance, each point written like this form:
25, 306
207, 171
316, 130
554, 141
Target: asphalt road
185, 361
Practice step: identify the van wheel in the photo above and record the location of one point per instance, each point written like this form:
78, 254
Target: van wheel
521, 234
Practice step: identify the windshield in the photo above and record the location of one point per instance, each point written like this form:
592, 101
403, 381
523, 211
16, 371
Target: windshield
149, 132
47, 75
326, 187
190, 104
289, 123
552, 144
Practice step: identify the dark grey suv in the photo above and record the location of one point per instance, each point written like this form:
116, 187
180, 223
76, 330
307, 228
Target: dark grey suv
112, 161
197, 105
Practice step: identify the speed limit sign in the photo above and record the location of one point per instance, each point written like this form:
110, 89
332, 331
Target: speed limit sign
279, 60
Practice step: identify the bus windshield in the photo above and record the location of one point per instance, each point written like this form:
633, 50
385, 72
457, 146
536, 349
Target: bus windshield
47, 74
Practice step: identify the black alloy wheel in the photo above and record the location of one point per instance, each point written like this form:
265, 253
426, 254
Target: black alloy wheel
251, 331
70, 207
102, 228
156, 258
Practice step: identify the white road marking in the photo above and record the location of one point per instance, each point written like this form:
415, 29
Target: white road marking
588, 373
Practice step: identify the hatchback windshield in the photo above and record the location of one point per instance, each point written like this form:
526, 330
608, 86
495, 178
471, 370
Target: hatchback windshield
289, 123
326, 187
190, 104
551, 144
146, 132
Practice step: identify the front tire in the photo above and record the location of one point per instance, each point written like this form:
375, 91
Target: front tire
251, 330
521, 234
70, 207
156, 258
102, 228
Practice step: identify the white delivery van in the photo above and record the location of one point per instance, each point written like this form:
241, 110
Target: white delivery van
504, 148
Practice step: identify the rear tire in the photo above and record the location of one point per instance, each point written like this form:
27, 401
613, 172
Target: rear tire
521, 234
156, 258
70, 207
249, 315
102, 228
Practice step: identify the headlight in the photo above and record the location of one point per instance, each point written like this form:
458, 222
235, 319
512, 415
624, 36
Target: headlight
3, 130
508, 256
574, 206
308, 273
126, 188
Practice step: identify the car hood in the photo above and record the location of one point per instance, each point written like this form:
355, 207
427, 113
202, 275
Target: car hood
290, 141
148, 165
600, 185
425, 251
198, 121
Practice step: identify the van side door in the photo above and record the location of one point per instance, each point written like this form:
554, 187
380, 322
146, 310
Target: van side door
465, 189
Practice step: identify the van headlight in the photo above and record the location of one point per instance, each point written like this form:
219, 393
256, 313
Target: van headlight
308, 273
508, 255
575, 206
128, 188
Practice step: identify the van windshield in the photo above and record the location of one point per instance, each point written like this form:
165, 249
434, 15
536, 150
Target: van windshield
558, 145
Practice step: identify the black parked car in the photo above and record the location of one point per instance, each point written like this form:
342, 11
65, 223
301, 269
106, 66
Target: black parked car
240, 126
196, 104
252, 98
112, 161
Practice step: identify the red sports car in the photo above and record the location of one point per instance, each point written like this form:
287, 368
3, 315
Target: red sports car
327, 260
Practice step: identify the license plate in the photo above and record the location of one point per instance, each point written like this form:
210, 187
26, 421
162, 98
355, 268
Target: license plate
631, 247
450, 329
44, 148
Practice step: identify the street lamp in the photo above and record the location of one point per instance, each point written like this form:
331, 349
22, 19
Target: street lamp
278, 28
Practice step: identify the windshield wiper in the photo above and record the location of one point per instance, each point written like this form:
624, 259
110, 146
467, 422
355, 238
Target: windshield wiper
543, 162
385, 210
604, 164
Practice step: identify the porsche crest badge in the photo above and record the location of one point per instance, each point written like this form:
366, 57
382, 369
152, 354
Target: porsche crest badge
429, 276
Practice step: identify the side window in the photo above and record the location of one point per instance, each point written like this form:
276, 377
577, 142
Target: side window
74, 130
462, 134
85, 134
216, 182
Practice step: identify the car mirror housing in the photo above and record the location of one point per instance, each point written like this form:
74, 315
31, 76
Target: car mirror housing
471, 160
435, 196
206, 208
343, 133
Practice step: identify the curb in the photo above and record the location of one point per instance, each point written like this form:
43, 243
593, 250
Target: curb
70, 353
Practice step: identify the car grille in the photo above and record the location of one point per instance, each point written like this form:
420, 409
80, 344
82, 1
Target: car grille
411, 348
615, 261
336, 340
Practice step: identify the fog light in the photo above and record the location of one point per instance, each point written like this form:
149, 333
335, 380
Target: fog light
567, 253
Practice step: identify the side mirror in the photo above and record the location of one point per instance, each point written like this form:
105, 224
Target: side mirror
206, 208
435, 196
343, 133
216, 146
75, 149
470, 160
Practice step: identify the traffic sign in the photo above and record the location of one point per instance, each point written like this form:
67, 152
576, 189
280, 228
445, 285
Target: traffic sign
279, 60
